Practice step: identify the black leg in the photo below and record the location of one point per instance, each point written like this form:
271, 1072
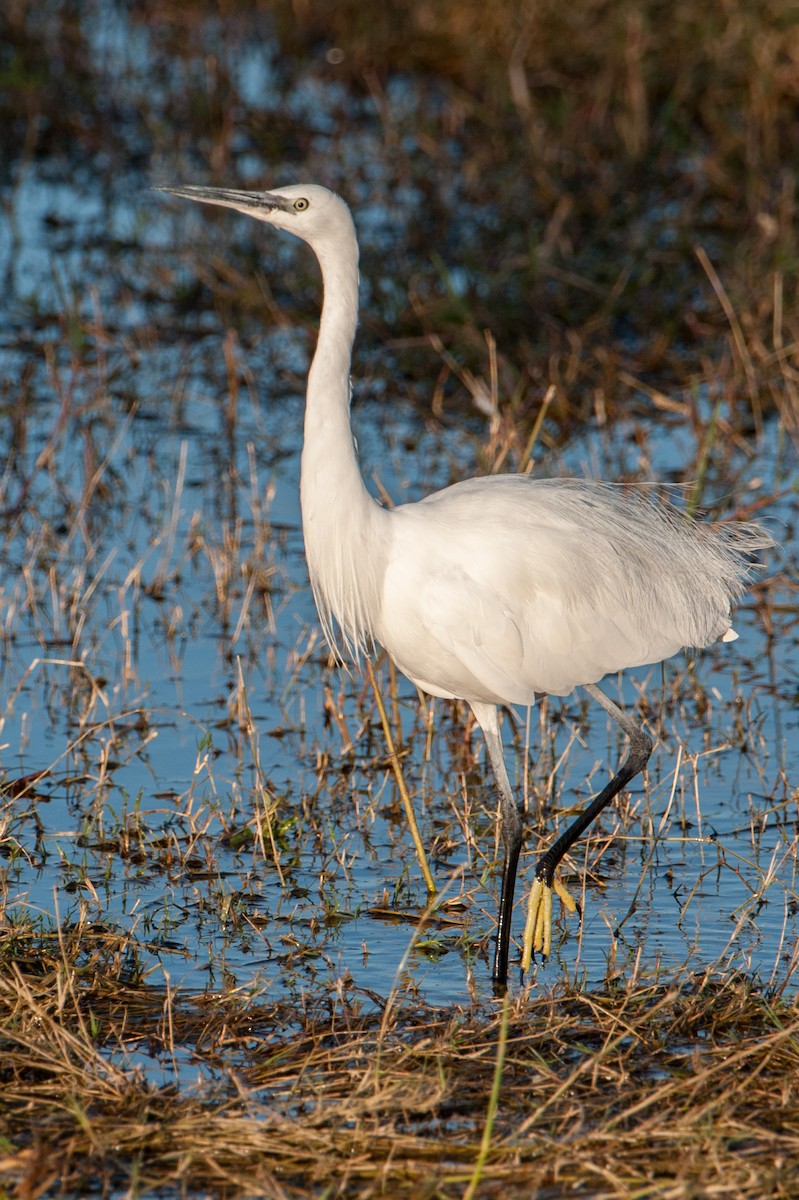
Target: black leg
512, 840
511, 830
636, 760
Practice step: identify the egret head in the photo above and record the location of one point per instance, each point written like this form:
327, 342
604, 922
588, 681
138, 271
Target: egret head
307, 210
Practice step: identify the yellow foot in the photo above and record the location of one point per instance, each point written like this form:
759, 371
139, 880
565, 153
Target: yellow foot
538, 930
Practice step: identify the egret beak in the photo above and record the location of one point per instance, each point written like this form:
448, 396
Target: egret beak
251, 202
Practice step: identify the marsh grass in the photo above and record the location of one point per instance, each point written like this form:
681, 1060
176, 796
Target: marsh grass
648, 1088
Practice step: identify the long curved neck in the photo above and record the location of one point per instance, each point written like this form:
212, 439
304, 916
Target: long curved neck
338, 514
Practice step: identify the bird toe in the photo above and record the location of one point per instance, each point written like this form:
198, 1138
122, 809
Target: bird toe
538, 928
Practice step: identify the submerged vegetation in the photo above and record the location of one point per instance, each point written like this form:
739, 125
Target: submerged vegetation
217, 973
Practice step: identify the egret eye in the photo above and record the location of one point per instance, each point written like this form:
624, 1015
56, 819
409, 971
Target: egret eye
301, 204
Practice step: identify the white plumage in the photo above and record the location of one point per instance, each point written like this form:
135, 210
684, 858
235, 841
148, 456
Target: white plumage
503, 587
495, 589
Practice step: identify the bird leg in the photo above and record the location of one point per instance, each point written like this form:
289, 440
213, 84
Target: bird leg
511, 829
538, 934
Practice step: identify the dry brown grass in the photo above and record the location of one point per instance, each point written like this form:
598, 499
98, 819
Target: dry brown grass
647, 1088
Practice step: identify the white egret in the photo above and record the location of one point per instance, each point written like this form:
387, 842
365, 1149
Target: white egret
495, 589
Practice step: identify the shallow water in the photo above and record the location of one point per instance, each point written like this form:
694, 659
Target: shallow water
152, 536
